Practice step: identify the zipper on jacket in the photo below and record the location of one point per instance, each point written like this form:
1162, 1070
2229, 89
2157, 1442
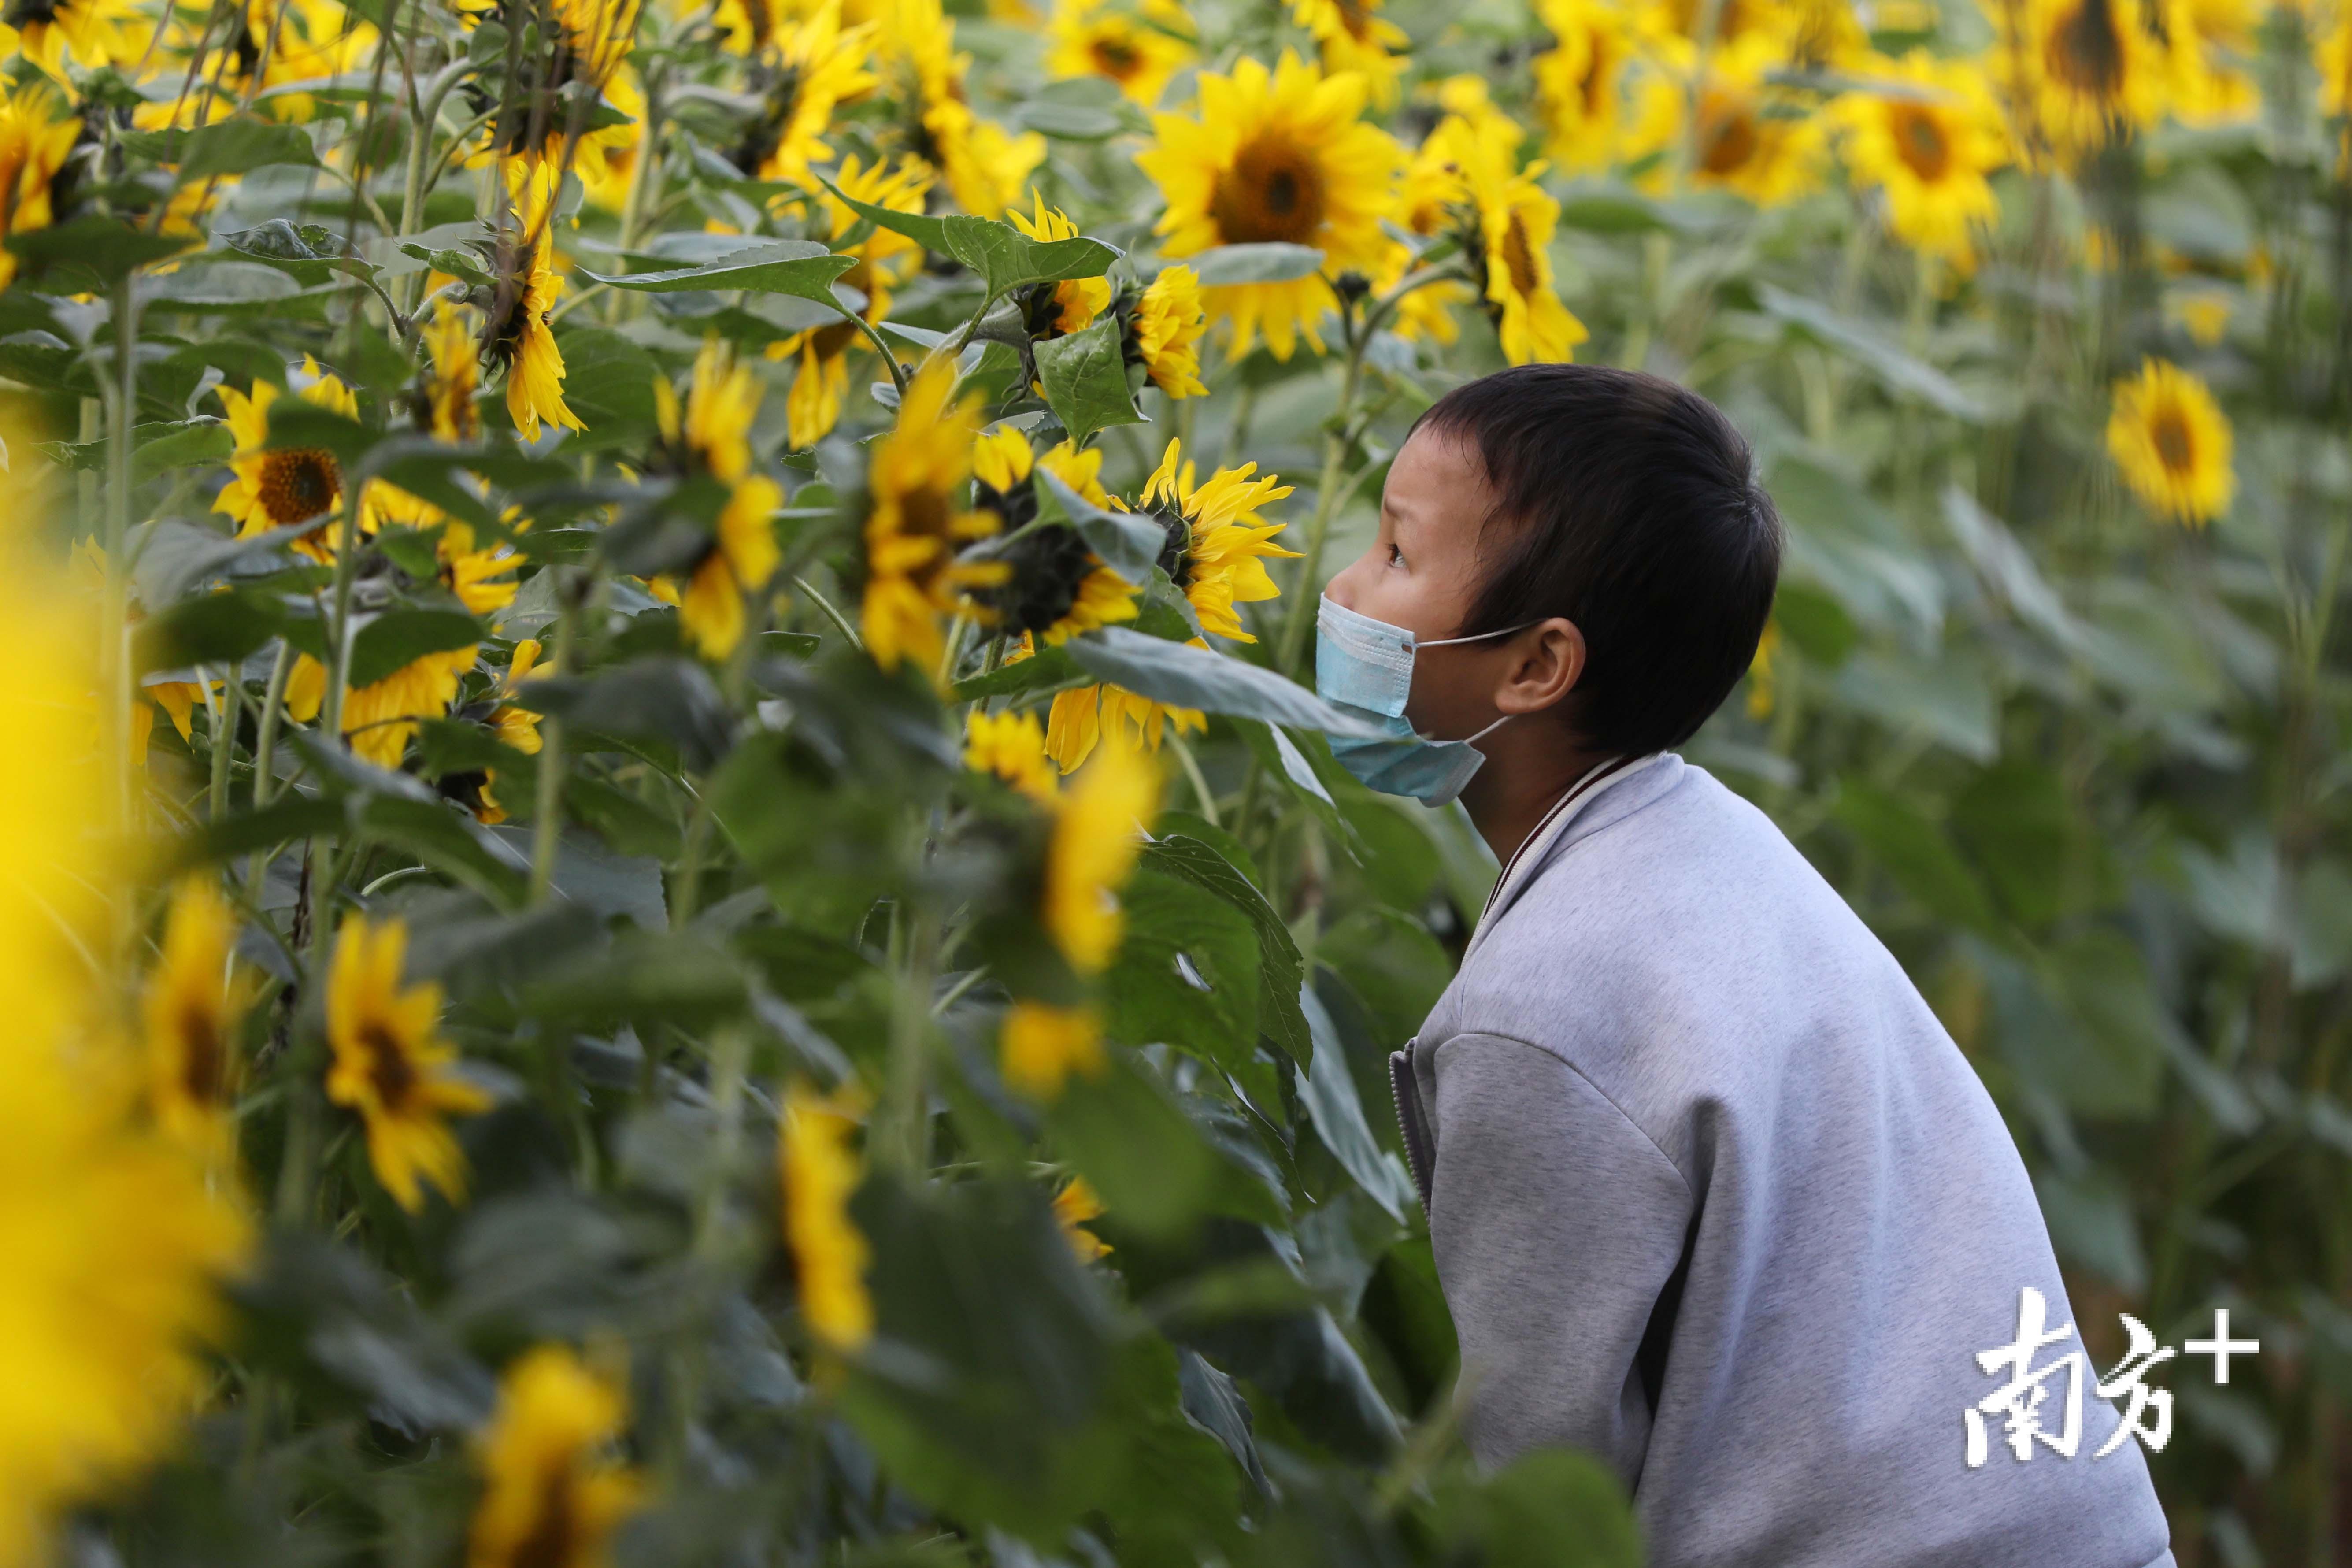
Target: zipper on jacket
1407, 1095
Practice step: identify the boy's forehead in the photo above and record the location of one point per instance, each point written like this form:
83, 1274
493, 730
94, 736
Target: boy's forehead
1438, 479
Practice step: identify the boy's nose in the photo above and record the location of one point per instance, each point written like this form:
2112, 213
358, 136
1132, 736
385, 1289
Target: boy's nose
1337, 588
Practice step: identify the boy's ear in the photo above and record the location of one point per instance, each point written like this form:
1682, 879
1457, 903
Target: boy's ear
1547, 661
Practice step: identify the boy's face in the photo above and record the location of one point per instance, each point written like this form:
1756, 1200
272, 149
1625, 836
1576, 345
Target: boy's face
1422, 572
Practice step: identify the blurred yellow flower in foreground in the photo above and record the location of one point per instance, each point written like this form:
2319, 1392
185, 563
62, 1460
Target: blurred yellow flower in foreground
2172, 441
114, 1235
820, 1172
1013, 747
918, 523
554, 1489
392, 1065
1099, 826
36, 133
1039, 1046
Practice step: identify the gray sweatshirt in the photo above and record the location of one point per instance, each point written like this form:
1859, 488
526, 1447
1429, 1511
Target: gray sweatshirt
1715, 1196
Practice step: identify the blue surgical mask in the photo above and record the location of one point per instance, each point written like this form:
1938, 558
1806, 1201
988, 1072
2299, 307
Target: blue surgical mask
1364, 667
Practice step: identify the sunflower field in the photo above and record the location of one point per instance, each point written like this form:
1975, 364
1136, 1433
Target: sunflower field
672, 885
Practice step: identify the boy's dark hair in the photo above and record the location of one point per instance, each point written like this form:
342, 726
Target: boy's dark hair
1632, 510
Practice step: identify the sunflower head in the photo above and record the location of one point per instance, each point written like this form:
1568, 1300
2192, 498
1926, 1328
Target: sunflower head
554, 1489
1278, 155
1217, 539
445, 399
193, 1005
1011, 746
391, 1065
2172, 443
1054, 308
1165, 325
1040, 1046
818, 1170
1139, 51
1099, 823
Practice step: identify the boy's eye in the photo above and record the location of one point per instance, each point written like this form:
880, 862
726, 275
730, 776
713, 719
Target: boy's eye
1396, 556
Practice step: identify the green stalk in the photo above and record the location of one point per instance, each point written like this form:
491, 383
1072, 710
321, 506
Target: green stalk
265, 740
903, 1135
224, 719
114, 651
546, 829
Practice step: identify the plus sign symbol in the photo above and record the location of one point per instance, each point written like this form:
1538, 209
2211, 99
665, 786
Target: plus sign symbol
2221, 1347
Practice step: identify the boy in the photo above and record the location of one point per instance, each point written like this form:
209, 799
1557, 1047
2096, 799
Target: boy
1712, 1192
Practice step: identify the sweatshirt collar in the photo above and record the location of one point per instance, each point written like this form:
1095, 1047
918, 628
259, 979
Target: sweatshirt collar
1531, 854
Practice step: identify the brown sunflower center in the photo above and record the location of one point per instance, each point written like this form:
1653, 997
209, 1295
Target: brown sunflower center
2175, 446
1730, 138
2085, 51
1920, 142
1519, 255
1273, 192
833, 342
1600, 66
390, 1071
1357, 18
1116, 59
202, 1060
299, 484
1732, 18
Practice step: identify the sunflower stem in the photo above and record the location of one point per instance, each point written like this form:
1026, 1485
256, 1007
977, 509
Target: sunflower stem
914, 959
114, 651
839, 620
890, 361
1327, 495
1200, 781
547, 826
265, 740
224, 715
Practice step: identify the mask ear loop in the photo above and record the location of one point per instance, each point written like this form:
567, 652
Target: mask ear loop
1482, 636
1473, 740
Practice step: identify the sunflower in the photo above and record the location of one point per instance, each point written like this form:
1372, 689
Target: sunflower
1075, 1204
1141, 53
1081, 717
2091, 70
1165, 329
194, 1004
391, 1065
819, 1172
94, 33
1579, 84
481, 580
984, 167
805, 71
1039, 1046
1073, 302
597, 36
2212, 43
1929, 149
917, 524
36, 135
278, 42
518, 336
1515, 218
1012, 746
1217, 542
1434, 195
606, 159
274, 489
380, 717
884, 260
553, 1489
445, 406
515, 727
1352, 36
1748, 140
2172, 442
722, 401
1098, 828
1052, 585
1274, 155
2334, 58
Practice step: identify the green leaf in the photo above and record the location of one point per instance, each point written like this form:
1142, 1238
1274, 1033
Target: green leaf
993, 1354
1086, 384
455, 263
1049, 669
1186, 973
1269, 262
209, 628
670, 701
227, 147
608, 382
1916, 853
157, 447
1078, 108
296, 423
1004, 258
1125, 542
795, 267
1146, 1158
1328, 1091
1189, 676
397, 639
214, 286
1899, 372
101, 248
308, 251
1553, 1508
1280, 969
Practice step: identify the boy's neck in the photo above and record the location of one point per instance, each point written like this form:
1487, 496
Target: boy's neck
1508, 797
